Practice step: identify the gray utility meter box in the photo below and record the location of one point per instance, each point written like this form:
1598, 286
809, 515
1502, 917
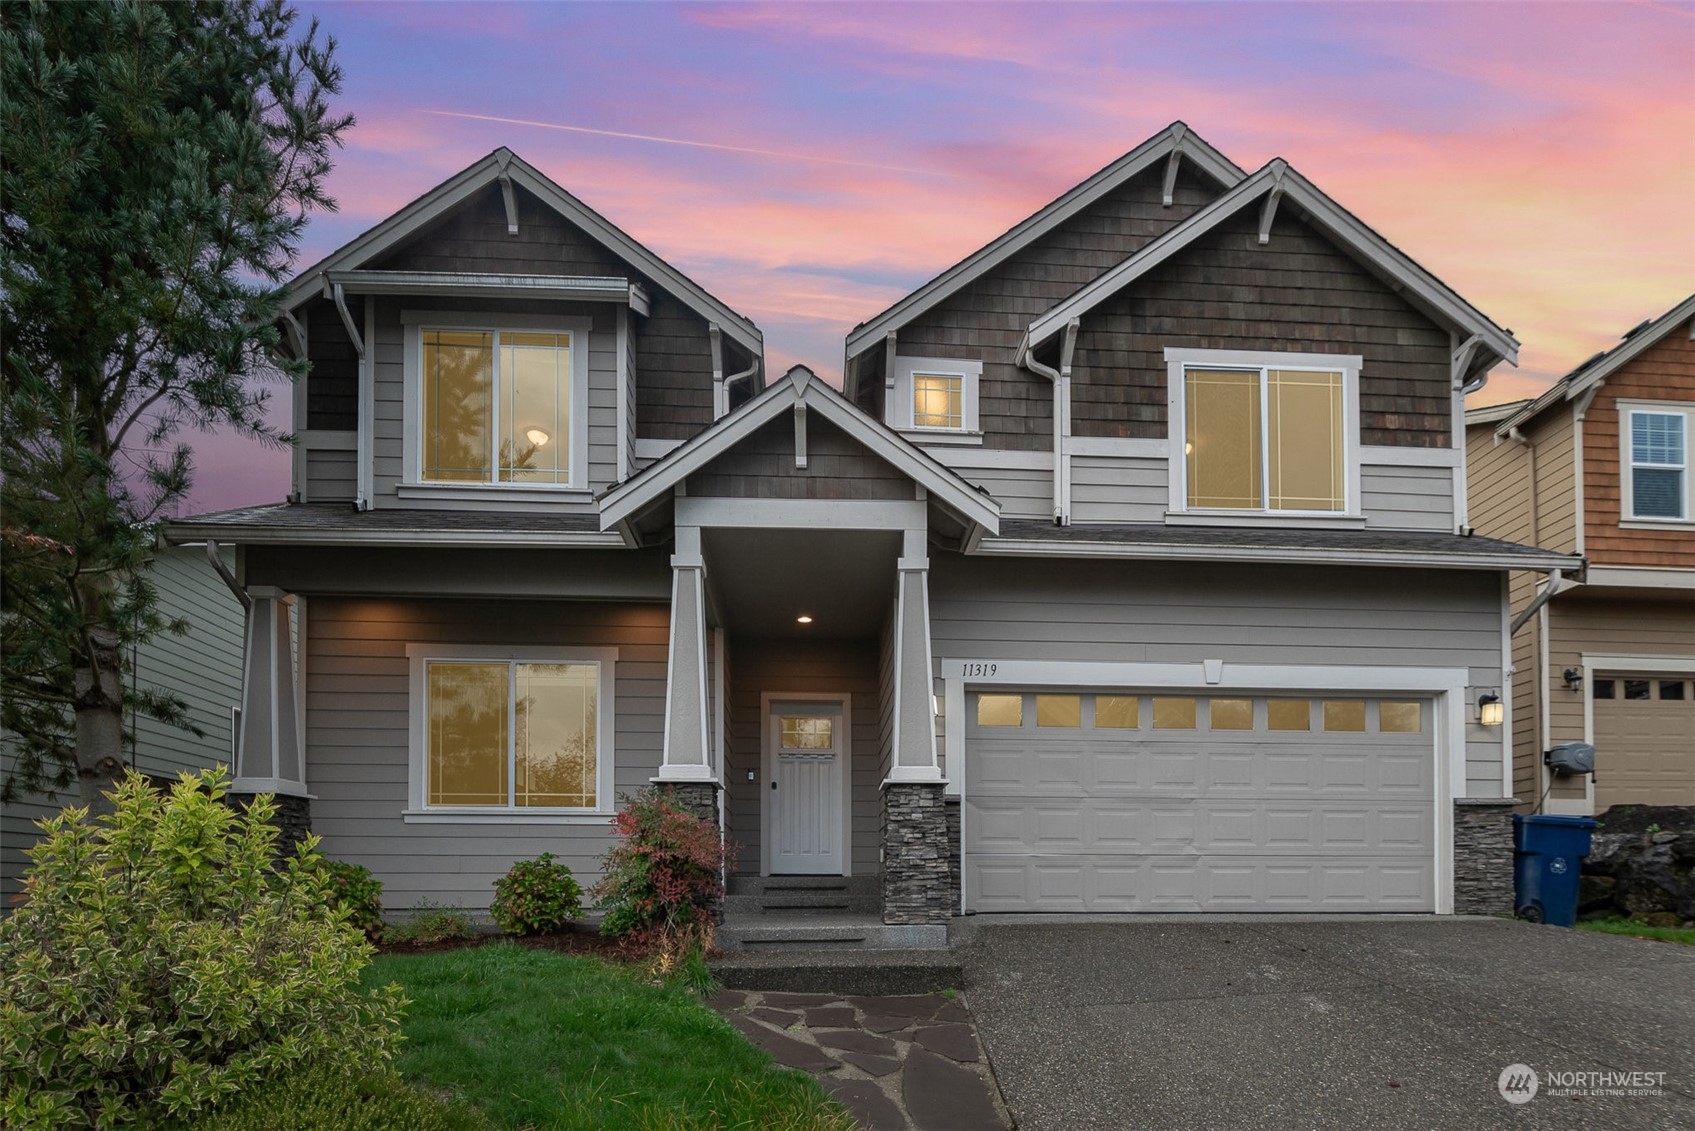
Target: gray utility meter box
1571, 758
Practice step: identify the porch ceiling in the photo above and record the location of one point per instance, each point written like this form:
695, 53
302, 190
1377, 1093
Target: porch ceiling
761, 580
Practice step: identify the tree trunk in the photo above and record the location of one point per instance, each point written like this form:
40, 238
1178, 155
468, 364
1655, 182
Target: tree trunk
99, 719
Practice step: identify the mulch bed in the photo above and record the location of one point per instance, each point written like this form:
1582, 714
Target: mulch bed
566, 942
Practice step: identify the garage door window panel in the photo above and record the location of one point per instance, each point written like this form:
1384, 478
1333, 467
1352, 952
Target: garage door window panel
1230, 714
1059, 711
1174, 713
1399, 718
1289, 714
1000, 710
1344, 715
1117, 712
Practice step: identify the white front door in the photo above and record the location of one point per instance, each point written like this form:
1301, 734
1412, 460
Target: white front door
808, 745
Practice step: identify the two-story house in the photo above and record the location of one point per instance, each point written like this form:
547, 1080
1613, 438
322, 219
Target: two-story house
1130, 570
1599, 466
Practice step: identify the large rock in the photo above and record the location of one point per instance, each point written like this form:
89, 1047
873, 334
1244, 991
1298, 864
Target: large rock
1642, 862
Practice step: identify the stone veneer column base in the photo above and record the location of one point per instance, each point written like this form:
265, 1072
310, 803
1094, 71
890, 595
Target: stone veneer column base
698, 797
955, 846
293, 817
1483, 855
917, 874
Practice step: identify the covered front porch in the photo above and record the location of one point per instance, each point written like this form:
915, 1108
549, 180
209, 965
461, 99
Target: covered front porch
799, 706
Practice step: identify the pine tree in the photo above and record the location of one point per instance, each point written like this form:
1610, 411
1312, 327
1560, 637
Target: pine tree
158, 162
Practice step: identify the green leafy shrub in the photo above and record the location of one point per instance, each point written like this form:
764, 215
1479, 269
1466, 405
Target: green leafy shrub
328, 1096
353, 887
536, 897
165, 959
428, 924
664, 879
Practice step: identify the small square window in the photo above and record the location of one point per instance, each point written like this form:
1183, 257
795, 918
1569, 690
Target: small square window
1231, 714
1000, 710
1344, 715
1637, 688
938, 400
1671, 689
1398, 718
1289, 714
1117, 712
1174, 714
1059, 710
1605, 689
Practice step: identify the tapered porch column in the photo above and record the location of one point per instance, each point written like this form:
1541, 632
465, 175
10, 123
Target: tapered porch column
269, 757
916, 884
686, 770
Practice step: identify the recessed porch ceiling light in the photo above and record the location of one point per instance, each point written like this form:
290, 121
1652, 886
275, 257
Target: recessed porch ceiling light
537, 437
803, 619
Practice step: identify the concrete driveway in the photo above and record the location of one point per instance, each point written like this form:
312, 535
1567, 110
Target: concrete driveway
1381, 1023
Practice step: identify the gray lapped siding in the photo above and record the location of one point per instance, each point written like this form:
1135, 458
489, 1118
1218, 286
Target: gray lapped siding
1190, 612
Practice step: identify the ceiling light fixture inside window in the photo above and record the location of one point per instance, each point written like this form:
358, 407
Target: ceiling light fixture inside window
537, 437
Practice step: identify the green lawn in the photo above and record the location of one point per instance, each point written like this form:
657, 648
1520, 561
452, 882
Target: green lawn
551, 1041
1684, 935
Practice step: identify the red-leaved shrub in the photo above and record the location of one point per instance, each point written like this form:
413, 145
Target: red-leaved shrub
664, 877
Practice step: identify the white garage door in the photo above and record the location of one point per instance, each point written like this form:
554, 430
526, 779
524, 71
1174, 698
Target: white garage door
1105, 801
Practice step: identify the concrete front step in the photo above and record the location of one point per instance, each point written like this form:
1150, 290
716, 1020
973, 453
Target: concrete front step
861, 971
801, 901
824, 930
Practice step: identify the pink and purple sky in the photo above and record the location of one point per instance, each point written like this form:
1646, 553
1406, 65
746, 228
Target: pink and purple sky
811, 163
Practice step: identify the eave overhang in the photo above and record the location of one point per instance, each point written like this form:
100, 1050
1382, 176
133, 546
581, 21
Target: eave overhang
1571, 566
585, 288
1175, 139
654, 484
1417, 285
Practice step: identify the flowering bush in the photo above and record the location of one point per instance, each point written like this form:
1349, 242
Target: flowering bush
664, 878
353, 887
165, 960
536, 897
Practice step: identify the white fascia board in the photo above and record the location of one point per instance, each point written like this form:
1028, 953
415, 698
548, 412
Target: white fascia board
656, 482
181, 534
1574, 385
456, 284
985, 259
1033, 547
1639, 577
1492, 414
1423, 287
484, 173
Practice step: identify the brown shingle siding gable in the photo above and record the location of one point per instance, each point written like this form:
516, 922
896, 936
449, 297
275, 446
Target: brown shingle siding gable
1665, 372
986, 320
1299, 293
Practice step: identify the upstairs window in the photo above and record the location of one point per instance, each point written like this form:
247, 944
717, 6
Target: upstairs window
1277, 437
493, 404
497, 407
1656, 442
935, 399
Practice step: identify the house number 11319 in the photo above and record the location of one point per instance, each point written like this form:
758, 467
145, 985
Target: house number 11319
979, 669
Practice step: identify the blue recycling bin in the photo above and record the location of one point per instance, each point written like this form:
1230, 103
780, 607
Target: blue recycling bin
1548, 857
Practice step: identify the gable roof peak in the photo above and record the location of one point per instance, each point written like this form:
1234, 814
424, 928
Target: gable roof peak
801, 377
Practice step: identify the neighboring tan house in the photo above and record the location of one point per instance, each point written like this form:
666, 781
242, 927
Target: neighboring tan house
1599, 466
202, 667
1129, 573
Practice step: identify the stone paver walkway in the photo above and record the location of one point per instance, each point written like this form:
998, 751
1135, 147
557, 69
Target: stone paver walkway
897, 1063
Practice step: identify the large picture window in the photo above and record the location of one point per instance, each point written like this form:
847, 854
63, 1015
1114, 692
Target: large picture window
512, 733
1275, 437
497, 406
1656, 444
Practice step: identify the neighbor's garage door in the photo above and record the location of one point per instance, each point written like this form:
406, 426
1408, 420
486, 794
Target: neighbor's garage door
1644, 741
1126, 802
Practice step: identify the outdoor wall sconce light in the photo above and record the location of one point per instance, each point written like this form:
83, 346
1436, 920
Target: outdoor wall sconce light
1573, 678
1491, 712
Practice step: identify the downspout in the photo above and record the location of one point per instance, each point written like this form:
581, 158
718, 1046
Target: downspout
1061, 379
735, 377
1547, 593
217, 560
362, 500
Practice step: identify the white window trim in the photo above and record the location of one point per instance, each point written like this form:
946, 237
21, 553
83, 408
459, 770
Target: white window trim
898, 411
606, 713
414, 323
1176, 360
1628, 411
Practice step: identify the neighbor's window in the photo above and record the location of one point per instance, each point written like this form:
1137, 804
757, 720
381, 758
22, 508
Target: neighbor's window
507, 734
1659, 465
496, 407
1265, 438
938, 400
